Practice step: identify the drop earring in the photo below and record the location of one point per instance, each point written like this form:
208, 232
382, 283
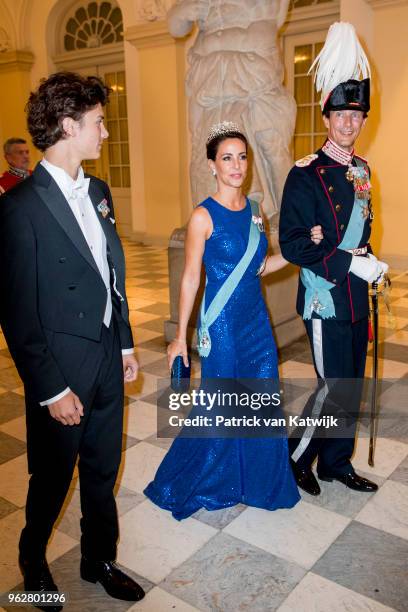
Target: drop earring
214, 172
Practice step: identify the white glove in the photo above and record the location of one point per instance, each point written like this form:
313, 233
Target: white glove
384, 266
369, 269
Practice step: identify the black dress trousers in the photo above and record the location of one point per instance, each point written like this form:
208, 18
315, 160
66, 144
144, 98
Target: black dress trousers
93, 370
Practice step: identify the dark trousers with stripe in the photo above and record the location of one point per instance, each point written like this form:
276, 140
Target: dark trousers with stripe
339, 351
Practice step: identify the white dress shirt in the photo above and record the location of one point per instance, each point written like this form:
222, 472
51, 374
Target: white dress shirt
76, 194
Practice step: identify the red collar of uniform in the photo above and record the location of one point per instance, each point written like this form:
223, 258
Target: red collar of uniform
337, 153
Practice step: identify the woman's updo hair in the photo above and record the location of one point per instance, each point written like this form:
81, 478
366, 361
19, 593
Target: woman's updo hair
220, 132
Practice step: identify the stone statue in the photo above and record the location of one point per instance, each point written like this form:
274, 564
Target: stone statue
236, 74
4, 41
153, 10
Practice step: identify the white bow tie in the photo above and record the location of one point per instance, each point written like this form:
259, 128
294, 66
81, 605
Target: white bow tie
80, 189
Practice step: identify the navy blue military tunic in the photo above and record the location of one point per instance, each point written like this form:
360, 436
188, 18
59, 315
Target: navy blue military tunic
318, 193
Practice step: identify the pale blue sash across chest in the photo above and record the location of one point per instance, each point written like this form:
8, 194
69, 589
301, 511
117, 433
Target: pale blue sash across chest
317, 295
207, 317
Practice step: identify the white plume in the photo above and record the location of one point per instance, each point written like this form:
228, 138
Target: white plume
342, 58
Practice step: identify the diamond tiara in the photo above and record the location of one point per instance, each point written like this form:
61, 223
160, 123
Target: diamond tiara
219, 129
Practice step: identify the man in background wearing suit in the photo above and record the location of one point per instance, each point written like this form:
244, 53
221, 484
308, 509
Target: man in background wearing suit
65, 317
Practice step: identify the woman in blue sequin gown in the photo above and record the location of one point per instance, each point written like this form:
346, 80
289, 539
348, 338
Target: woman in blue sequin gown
218, 473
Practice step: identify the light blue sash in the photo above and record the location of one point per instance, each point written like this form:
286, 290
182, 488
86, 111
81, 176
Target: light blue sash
317, 296
227, 289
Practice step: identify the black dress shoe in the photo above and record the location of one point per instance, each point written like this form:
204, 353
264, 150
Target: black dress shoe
114, 581
353, 481
305, 479
37, 577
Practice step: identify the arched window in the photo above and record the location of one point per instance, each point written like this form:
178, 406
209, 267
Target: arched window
93, 25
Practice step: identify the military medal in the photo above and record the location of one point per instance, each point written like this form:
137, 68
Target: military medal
204, 341
362, 188
365, 211
316, 306
361, 183
349, 174
103, 208
257, 219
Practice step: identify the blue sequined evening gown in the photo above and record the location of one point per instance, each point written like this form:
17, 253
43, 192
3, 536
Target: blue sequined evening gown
218, 473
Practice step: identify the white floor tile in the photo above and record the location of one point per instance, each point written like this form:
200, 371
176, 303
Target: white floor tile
158, 600
403, 301
388, 455
143, 335
153, 543
394, 322
144, 385
400, 337
397, 292
153, 294
387, 368
317, 594
14, 480
137, 303
296, 369
10, 529
15, 427
162, 295
300, 535
388, 509
145, 356
137, 318
134, 282
5, 362
140, 420
139, 466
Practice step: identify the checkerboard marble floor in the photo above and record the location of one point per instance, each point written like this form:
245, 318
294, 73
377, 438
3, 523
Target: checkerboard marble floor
340, 551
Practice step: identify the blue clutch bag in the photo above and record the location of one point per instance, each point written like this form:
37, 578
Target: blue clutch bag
180, 375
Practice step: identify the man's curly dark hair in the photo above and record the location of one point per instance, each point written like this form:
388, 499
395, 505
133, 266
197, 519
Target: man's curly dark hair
63, 94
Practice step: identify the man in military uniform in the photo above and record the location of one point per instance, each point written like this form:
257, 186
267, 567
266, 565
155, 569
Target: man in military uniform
17, 155
331, 188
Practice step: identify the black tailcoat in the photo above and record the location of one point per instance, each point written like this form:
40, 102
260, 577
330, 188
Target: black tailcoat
52, 307
50, 282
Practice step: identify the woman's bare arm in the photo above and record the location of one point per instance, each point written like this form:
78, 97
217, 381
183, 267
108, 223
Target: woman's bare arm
198, 230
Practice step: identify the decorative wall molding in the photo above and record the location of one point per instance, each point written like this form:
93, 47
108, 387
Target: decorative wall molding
89, 57
294, 4
151, 34
11, 61
5, 42
310, 18
154, 10
386, 3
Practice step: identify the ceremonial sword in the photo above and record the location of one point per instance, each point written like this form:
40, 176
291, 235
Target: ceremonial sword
374, 292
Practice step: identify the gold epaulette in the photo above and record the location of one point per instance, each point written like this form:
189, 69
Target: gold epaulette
306, 161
